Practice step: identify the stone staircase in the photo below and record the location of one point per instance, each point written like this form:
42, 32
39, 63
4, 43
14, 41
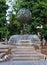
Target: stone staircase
20, 53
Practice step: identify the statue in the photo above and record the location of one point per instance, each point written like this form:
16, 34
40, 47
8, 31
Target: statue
24, 16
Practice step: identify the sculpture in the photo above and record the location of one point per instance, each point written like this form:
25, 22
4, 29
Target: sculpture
24, 16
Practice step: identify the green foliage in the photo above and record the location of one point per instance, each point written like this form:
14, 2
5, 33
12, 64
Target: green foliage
14, 26
3, 28
38, 9
4, 32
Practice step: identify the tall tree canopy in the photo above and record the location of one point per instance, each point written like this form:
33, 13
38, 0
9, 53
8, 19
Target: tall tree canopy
3, 27
38, 9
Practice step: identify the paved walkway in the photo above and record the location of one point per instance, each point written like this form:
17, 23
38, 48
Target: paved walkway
24, 63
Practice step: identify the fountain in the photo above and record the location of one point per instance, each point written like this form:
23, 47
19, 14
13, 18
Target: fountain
24, 15
19, 39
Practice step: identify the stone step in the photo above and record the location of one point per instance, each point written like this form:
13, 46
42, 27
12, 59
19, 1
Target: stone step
3, 50
24, 48
27, 58
31, 47
6, 46
24, 52
27, 55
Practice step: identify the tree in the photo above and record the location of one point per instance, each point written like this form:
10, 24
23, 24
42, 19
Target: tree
3, 26
14, 26
38, 9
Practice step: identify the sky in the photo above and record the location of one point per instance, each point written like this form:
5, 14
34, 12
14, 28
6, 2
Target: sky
10, 9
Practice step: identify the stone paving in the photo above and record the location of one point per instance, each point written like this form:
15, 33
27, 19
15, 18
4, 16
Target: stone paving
24, 63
